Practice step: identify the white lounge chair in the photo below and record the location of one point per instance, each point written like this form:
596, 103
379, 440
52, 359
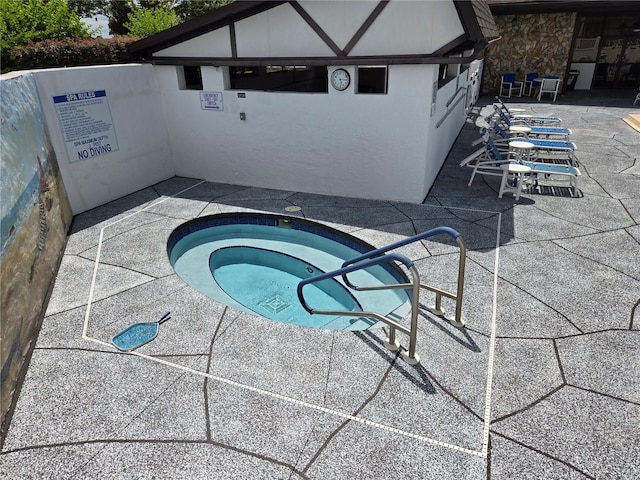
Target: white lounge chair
489, 159
536, 130
516, 114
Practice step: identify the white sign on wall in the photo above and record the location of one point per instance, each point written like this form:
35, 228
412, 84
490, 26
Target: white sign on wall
85, 121
211, 101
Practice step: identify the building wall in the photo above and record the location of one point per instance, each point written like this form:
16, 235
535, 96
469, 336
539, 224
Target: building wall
339, 143
530, 43
35, 218
134, 101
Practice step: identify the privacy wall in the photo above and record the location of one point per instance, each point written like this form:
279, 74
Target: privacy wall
108, 126
337, 143
35, 216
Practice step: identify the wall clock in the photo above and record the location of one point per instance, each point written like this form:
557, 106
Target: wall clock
340, 79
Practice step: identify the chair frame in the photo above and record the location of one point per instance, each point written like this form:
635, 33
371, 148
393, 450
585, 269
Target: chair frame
536, 130
488, 160
511, 84
544, 148
553, 91
529, 119
528, 80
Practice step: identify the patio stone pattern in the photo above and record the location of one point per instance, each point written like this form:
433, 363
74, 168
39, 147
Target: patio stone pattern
545, 369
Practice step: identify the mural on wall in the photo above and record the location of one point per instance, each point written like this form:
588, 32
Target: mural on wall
27, 160
35, 216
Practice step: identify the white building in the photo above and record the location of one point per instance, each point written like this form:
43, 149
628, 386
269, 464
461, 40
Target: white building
353, 98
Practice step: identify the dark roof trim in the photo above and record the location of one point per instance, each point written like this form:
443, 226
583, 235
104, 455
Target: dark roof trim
602, 7
317, 61
195, 27
316, 28
478, 33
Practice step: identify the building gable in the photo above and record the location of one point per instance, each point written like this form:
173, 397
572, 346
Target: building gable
324, 32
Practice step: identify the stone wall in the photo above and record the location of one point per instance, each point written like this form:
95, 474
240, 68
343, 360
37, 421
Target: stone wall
530, 43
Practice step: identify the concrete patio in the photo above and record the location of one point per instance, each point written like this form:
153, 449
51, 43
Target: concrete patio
541, 383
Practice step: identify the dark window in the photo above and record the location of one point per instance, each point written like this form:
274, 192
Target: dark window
446, 73
279, 78
372, 80
190, 77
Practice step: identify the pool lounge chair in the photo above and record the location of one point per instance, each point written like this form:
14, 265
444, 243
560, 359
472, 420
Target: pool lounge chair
531, 119
544, 151
488, 160
536, 130
499, 132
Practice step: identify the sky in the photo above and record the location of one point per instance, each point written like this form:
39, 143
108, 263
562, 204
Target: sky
99, 21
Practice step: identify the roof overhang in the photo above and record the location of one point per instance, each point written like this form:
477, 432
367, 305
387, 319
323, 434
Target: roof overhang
587, 7
475, 16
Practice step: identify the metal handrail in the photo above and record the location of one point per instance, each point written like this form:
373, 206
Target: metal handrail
437, 309
391, 343
379, 256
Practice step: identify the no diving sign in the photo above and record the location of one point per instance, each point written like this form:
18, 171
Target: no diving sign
85, 121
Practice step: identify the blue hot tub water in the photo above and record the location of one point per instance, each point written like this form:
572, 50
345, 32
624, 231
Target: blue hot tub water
245, 264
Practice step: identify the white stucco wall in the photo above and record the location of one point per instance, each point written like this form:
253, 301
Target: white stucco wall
340, 143
402, 27
135, 101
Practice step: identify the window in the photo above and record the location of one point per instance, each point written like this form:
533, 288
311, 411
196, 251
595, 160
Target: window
446, 73
279, 78
372, 80
189, 77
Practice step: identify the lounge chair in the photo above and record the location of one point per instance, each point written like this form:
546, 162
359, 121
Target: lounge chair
489, 159
540, 143
517, 114
536, 130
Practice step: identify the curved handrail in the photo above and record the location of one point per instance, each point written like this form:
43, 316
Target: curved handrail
347, 269
379, 256
400, 243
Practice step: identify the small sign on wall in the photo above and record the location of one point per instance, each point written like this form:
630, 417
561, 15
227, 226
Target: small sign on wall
211, 101
85, 121
434, 91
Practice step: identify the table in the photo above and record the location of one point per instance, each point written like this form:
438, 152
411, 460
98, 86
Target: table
520, 149
516, 171
519, 130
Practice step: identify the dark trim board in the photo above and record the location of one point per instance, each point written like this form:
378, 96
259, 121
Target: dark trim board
315, 61
609, 7
474, 38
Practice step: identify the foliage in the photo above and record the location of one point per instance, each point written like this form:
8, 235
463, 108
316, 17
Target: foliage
24, 21
89, 8
144, 21
59, 53
118, 13
188, 9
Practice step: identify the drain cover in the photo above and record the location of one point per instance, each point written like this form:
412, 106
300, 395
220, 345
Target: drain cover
275, 304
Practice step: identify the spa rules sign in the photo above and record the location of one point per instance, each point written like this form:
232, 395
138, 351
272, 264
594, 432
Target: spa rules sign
85, 120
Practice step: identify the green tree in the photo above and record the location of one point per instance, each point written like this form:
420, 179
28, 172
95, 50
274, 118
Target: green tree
24, 21
89, 8
117, 11
188, 9
144, 21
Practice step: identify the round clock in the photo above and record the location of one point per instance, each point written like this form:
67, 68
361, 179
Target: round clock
340, 79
